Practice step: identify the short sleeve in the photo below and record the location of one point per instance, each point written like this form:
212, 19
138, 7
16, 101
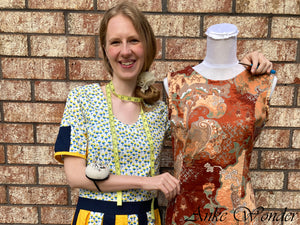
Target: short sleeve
72, 136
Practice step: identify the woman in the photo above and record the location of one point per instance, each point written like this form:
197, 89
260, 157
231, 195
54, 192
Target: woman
121, 126
129, 48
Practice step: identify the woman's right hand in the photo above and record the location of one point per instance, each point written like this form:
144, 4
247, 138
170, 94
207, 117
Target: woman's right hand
166, 183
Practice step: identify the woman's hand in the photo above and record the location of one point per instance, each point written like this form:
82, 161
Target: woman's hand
260, 64
165, 183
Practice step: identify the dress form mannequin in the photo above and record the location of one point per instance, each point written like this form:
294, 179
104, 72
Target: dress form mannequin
217, 110
220, 62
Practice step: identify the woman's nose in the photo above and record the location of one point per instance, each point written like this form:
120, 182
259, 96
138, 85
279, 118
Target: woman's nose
125, 50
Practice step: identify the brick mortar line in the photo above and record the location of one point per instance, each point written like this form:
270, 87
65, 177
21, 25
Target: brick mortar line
164, 11
95, 4
276, 190
276, 170
164, 6
233, 7
298, 52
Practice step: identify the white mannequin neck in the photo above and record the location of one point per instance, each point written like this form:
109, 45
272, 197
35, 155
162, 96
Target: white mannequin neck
220, 62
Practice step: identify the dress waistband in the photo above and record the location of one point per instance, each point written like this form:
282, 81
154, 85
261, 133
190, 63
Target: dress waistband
108, 207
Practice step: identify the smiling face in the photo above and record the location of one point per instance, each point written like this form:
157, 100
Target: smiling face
124, 48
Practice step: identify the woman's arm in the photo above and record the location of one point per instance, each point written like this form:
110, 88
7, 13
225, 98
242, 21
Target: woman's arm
75, 173
258, 59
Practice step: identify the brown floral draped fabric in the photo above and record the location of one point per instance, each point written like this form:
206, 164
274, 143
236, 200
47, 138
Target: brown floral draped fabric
214, 126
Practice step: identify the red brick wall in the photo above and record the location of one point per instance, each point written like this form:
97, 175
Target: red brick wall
49, 47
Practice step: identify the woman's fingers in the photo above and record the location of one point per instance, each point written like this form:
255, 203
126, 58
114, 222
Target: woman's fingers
166, 183
171, 185
260, 64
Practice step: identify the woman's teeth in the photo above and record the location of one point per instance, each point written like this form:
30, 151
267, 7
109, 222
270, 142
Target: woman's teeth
127, 63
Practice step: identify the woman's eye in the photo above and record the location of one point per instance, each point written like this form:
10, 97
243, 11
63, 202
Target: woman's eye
114, 42
134, 41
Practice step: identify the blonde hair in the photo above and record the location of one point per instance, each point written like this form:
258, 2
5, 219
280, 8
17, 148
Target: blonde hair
145, 31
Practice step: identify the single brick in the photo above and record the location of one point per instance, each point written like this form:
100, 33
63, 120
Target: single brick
33, 112
270, 138
16, 133
189, 49
12, 4
54, 91
74, 195
284, 117
201, 6
13, 45
46, 133
153, 6
38, 195
52, 175
298, 101
17, 175
283, 96
15, 90
267, 180
159, 48
86, 24
62, 46
3, 195
32, 22
278, 199
61, 4
287, 73
280, 160
2, 154
268, 6
274, 50
161, 68
32, 154
162, 201
33, 68
18, 214
87, 70
180, 26
57, 215
254, 160
296, 139
248, 26
295, 220
167, 159
290, 26
293, 180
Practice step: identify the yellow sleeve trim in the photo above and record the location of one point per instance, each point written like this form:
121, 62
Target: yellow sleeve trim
59, 155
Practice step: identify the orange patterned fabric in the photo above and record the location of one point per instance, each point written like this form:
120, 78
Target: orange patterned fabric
214, 126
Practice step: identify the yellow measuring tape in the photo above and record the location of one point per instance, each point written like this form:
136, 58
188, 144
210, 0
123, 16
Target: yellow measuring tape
124, 97
110, 88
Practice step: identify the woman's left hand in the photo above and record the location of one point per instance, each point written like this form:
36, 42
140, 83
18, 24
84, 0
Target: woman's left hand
260, 64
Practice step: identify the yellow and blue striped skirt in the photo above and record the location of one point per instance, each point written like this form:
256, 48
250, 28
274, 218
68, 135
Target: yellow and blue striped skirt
91, 211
